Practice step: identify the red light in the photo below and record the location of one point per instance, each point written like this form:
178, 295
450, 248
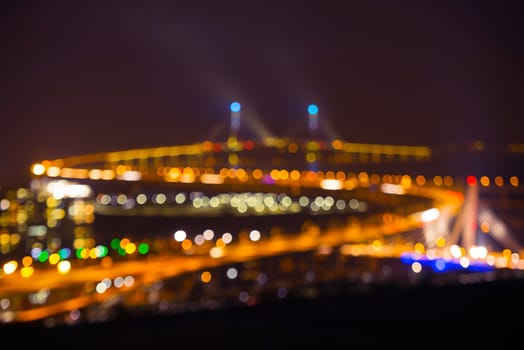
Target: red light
471, 180
249, 145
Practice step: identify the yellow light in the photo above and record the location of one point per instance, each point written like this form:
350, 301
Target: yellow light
377, 245
294, 175
484, 181
437, 180
363, 177
27, 271
205, 276
441, 242
63, 267
233, 159
284, 174
108, 174
54, 258
4, 238
53, 171
405, 181
257, 174
95, 174
130, 248
419, 248
499, 181
38, 169
84, 253
216, 252
311, 157
514, 181
241, 174
121, 169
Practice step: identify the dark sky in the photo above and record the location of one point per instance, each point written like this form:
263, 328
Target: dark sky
89, 76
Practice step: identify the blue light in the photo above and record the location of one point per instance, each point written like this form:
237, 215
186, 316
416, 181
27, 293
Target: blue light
440, 264
312, 109
235, 107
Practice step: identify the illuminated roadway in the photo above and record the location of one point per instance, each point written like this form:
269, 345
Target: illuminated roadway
162, 164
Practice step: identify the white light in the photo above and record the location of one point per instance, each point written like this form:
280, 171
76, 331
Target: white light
208, 234
455, 251
331, 184
64, 267
62, 188
490, 259
232, 273
416, 267
478, 252
392, 189
130, 175
179, 235
254, 235
10, 267
430, 215
464, 262
141, 198
216, 252
101, 288
227, 237
180, 198
118, 282
129, 281
199, 239
160, 198
4, 204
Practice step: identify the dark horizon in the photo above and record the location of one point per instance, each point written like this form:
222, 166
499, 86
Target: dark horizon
90, 77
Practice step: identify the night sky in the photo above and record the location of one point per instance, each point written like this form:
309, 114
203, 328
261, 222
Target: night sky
90, 76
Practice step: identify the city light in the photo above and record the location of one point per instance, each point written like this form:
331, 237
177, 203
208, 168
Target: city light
235, 107
312, 109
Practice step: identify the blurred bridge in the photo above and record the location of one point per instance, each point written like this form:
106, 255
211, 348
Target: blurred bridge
416, 219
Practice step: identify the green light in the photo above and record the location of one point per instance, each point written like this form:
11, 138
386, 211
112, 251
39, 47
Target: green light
121, 251
101, 251
44, 255
79, 253
115, 243
143, 248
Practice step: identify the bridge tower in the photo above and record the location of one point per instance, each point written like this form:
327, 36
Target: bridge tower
235, 108
312, 111
466, 223
466, 228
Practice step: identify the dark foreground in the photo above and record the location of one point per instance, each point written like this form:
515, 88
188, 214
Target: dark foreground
418, 317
